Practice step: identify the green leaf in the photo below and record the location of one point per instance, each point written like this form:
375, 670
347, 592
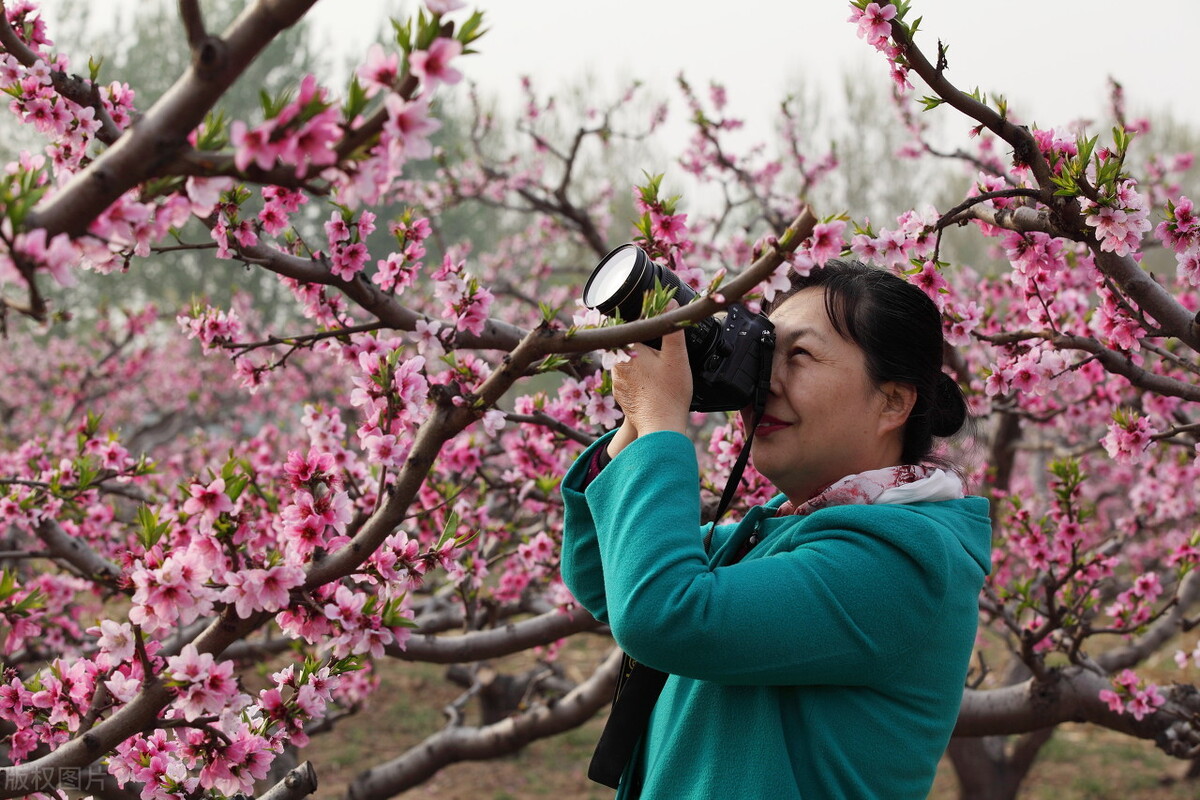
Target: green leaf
547, 484
8, 584
448, 530
552, 363
427, 30
403, 34
356, 99
471, 30
236, 485
1086, 148
150, 530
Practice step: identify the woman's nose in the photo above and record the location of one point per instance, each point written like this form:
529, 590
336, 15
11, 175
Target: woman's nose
778, 364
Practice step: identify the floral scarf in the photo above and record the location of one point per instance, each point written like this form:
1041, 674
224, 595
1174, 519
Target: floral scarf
907, 483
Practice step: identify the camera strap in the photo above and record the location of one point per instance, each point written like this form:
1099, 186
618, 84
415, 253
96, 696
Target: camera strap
762, 388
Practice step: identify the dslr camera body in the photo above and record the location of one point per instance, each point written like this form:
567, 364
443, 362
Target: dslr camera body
729, 353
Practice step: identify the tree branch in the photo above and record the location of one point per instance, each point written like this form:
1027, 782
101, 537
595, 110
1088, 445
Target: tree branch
298, 783
1172, 316
545, 420
75, 552
1159, 633
1072, 694
467, 743
494, 642
161, 134
193, 23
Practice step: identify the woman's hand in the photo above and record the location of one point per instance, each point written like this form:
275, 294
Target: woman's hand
654, 389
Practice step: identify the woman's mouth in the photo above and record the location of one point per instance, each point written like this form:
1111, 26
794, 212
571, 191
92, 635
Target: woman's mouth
768, 425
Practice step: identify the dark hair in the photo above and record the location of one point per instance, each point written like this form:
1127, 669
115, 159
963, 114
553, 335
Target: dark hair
899, 329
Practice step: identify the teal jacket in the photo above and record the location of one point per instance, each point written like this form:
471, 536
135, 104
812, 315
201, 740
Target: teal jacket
828, 663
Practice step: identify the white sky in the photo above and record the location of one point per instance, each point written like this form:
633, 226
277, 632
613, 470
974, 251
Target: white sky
1051, 58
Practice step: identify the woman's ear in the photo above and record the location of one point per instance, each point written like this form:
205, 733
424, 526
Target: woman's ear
898, 401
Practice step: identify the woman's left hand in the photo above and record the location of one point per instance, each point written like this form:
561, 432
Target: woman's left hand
654, 388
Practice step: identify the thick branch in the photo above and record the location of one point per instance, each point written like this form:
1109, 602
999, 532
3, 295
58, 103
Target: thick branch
1071, 695
496, 334
298, 783
75, 552
1172, 317
1022, 219
162, 132
496, 642
1121, 364
467, 743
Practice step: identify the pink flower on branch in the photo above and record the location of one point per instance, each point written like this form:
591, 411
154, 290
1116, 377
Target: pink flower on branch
380, 70
874, 23
444, 6
432, 66
209, 501
408, 127
255, 590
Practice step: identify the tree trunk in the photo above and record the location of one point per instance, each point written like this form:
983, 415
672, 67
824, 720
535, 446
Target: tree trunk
988, 769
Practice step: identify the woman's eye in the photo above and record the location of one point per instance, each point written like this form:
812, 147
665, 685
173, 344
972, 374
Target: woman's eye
797, 351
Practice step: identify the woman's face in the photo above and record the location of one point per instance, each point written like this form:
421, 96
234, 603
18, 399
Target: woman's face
824, 418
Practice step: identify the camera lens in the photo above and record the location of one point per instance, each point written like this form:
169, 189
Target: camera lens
725, 351
615, 279
622, 278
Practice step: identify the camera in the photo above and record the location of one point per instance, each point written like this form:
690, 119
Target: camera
730, 353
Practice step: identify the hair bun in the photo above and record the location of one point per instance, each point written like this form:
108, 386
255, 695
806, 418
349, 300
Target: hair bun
948, 411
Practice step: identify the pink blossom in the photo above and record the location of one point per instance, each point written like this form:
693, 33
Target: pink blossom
669, 227
336, 229
255, 590
409, 126
874, 23
931, 281
1127, 679
123, 687
205, 193
1127, 438
827, 238
1145, 702
116, 640
347, 261
379, 71
432, 66
444, 6
385, 450
1114, 701
60, 257
208, 501
1188, 267
253, 145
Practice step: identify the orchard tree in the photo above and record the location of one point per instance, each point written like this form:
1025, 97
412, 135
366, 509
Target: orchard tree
186, 497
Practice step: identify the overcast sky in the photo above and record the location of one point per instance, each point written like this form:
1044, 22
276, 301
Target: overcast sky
1051, 58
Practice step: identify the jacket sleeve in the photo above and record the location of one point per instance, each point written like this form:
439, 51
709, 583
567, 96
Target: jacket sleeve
582, 568
837, 608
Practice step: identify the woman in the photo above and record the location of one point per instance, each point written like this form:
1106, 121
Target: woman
818, 648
